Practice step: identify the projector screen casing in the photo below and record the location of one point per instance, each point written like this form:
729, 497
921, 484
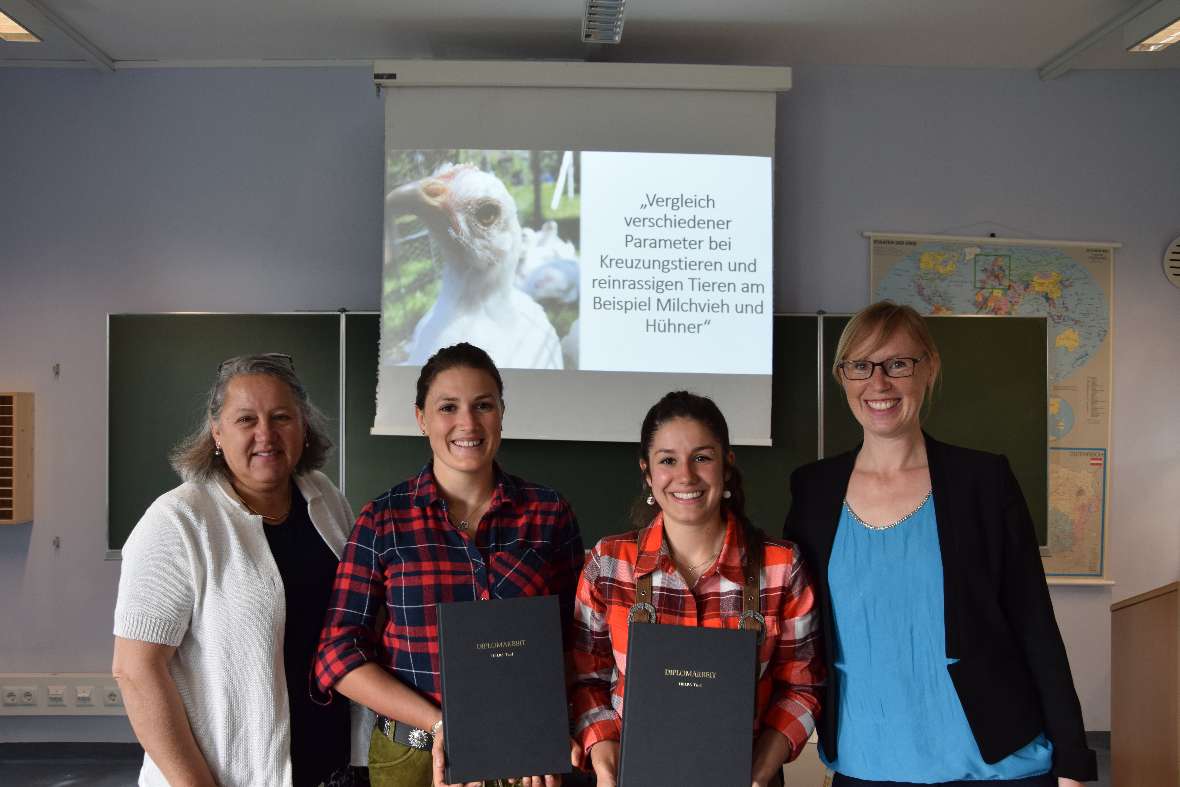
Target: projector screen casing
583, 405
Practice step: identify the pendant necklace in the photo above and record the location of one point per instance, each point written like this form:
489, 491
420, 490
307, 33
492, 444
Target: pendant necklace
464, 524
694, 570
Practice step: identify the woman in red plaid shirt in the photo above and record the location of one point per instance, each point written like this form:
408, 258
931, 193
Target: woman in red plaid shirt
461, 529
692, 541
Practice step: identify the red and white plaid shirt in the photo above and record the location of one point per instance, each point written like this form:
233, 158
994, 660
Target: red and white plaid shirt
789, 660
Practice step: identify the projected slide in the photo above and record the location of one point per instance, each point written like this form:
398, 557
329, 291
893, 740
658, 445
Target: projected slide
591, 261
676, 263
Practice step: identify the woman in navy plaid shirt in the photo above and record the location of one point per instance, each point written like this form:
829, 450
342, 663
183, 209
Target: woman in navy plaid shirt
461, 529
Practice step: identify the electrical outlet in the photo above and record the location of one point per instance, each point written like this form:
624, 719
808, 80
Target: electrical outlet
19, 695
59, 694
56, 696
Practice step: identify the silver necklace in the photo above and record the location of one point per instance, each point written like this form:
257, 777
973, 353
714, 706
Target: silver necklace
863, 523
464, 524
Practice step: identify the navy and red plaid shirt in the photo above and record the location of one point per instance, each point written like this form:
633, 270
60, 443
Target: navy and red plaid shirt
405, 553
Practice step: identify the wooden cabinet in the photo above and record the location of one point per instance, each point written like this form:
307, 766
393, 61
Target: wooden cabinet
1145, 689
16, 458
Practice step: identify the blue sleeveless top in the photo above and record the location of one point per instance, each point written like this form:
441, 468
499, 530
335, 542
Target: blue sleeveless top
900, 718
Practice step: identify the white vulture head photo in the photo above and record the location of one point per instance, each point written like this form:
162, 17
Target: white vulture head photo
472, 220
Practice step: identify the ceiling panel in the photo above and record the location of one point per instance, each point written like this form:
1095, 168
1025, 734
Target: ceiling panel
54, 46
938, 33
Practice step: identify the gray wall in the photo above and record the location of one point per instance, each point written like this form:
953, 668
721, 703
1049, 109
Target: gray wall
1091, 156
261, 191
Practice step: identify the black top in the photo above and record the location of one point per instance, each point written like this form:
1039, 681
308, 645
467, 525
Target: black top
1012, 675
320, 742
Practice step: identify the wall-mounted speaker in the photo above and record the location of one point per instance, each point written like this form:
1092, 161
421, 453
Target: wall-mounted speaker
16, 458
1172, 263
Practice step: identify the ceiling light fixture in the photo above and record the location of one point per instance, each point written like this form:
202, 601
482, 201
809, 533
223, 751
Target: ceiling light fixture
603, 21
1155, 29
1141, 21
11, 31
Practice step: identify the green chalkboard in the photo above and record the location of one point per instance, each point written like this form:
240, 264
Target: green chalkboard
601, 480
993, 396
160, 368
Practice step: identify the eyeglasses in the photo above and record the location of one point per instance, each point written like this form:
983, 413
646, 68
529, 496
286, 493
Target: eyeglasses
893, 367
281, 358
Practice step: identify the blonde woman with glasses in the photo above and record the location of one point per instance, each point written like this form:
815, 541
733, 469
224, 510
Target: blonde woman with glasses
945, 664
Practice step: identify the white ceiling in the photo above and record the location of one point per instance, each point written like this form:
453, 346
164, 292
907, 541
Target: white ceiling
938, 33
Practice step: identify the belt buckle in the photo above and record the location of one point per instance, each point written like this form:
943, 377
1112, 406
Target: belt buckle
420, 739
414, 737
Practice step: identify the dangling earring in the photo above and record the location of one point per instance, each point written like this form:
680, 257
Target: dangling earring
727, 494
651, 501
217, 449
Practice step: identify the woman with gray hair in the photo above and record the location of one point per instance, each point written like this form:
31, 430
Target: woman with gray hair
224, 585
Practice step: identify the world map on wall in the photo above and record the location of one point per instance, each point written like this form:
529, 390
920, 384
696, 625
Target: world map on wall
1077, 497
1070, 286
1061, 418
1020, 281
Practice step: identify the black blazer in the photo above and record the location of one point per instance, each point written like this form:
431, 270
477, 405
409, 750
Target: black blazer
1012, 675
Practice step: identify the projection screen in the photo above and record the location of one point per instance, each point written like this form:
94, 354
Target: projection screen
605, 245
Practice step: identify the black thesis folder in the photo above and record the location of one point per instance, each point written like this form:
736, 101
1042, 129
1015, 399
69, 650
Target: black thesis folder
688, 707
503, 686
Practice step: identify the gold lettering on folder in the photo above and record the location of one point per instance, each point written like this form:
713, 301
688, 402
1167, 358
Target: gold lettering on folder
689, 678
502, 649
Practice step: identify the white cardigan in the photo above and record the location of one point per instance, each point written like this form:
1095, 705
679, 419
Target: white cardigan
198, 574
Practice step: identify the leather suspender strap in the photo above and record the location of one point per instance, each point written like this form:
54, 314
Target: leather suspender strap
643, 611
752, 619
